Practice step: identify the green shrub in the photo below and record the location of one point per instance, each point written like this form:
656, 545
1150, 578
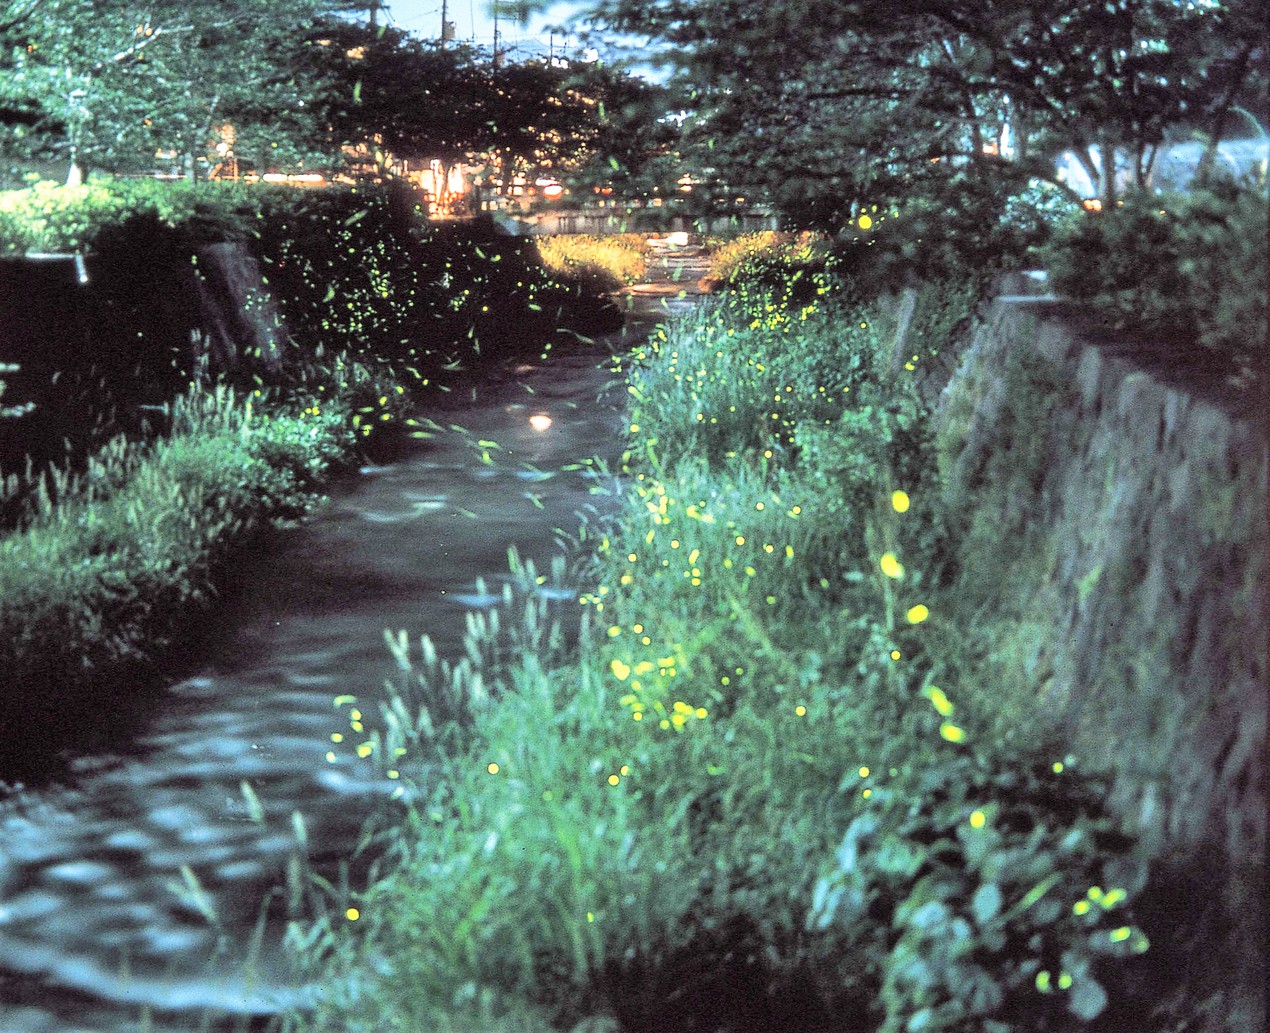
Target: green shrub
54, 218
991, 893
1181, 267
603, 263
768, 257
965, 228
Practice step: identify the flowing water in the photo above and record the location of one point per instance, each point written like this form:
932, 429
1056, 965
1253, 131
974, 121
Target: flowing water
130, 888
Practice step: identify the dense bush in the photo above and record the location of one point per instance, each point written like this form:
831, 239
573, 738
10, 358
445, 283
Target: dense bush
768, 259
48, 217
603, 263
1188, 267
962, 227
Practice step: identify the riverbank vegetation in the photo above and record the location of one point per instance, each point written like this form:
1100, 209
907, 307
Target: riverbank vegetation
779, 784
604, 263
147, 460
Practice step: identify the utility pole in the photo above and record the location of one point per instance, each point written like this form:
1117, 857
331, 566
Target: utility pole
445, 23
373, 7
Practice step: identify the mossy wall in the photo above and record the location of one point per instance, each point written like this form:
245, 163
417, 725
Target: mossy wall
1115, 529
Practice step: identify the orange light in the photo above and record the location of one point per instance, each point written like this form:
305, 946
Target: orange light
1092, 204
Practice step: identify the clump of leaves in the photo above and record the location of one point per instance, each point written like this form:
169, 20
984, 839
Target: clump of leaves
1183, 267
991, 896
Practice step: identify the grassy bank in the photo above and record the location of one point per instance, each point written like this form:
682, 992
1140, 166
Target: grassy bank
113, 548
603, 263
110, 566
768, 791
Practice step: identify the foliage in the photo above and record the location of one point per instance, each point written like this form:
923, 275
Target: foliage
606, 263
934, 87
426, 101
103, 86
654, 825
1180, 267
996, 896
49, 217
767, 255
109, 562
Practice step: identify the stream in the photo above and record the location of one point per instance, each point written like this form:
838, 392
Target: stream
130, 887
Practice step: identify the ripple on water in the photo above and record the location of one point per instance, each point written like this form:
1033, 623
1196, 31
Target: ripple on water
79, 873
29, 906
174, 817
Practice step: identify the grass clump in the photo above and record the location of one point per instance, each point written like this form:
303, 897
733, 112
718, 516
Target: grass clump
108, 566
603, 263
745, 801
769, 256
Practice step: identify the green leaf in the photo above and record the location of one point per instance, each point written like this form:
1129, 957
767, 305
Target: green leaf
1088, 999
986, 903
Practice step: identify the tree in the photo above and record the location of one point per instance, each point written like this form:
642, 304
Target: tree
631, 145
107, 84
819, 104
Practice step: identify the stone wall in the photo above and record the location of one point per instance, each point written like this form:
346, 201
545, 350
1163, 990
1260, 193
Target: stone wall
128, 328
1114, 497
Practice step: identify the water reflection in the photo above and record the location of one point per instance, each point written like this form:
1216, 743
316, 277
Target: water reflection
138, 883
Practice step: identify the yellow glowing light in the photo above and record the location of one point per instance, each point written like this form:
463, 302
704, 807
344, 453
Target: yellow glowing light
493, 769
867, 793
540, 421
614, 780
939, 700
895, 654
800, 710
590, 916
624, 770
917, 614
621, 671
1057, 767
1064, 981
1081, 907
864, 222
352, 914
899, 501
614, 631
951, 732
978, 819
337, 737
365, 750
891, 567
